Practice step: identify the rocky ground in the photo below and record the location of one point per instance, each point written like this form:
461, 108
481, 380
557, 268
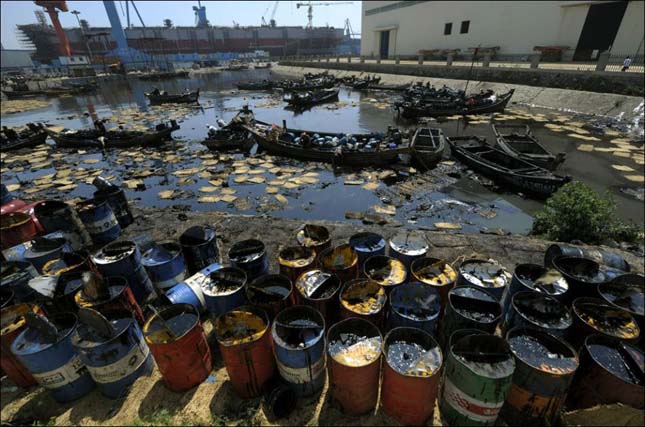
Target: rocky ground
213, 402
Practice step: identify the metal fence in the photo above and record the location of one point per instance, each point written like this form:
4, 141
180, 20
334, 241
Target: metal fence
615, 63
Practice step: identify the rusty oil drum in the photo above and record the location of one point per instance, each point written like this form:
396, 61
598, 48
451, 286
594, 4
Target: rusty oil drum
477, 376
245, 344
354, 348
296, 260
386, 271
367, 245
595, 316
412, 363
178, 344
626, 292
319, 290
341, 260
365, 299
315, 237
270, 292
604, 257
541, 381
12, 323
437, 273
485, 274
16, 228
610, 372
583, 276
121, 302
539, 311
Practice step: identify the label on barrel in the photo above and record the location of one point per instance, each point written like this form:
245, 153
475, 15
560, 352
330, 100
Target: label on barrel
532, 404
102, 225
59, 377
121, 368
468, 406
165, 284
301, 375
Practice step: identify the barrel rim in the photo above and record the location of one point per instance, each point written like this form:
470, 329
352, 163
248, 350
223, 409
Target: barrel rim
80, 298
26, 218
176, 248
414, 331
325, 252
575, 311
345, 322
288, 263
480, 289
202, 286
174, 306
534, 294
416, 252
482, 261
309, 308
612, 340
98, 256
427, 259
5, 327
548, 335
616, 282
544, 269
391, 259
239, 243
86, 344
355, 236
339, 285
197, 245
419, 285
501, 340
325, 230
84, 255
251, 309
266, 277
557, 265
380, 292
49, 345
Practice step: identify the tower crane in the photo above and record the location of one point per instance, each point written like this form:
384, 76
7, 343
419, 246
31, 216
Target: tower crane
310, 9
272, 18
50, 7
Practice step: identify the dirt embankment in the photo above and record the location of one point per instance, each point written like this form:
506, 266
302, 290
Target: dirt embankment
214, 402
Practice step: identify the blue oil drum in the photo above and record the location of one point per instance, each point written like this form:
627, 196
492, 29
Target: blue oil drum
99, 220
165, 265
54, 362
115, 197
46, 249
17, 253
224, 290
251, 256
367, 245
16, 275
123, 259
117, 362
190, 290
415, 304
299, 346
54, 215
199, 247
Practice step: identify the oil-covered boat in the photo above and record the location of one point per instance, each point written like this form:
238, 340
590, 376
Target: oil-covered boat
392, 88
30, 136
505, 169
112, 138
302, 85
340, 149
518, 141
161, 75
428, 145
232, 135
309, 99
157, 97
256, 85
450, 107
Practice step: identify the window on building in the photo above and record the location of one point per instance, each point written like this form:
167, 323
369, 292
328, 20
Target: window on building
447, 29
465, 25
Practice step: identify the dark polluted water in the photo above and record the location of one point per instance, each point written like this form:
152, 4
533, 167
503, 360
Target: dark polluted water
185, 173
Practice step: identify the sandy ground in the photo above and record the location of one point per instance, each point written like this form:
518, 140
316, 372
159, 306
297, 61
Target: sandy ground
213, 402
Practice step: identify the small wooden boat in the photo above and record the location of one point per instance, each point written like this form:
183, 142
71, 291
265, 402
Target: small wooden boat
518, 141
168, 98
505, 169
262, 66
261, 85
410, 110
359, 84
237, 66
428, 145
232, 135
280, 141
31, 136
72, 90
163, 75
20, 94
393, 88
297, 86
297, 101
113, 138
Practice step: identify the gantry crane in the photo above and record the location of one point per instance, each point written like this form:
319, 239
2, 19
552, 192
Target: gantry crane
50, 7
310, 9
272, 18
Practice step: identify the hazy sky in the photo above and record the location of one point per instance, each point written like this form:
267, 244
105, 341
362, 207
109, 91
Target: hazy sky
181, 13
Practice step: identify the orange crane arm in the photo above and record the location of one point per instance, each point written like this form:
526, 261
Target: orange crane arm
50, 7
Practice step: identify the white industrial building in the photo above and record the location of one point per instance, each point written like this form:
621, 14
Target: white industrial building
15, 59
582, 28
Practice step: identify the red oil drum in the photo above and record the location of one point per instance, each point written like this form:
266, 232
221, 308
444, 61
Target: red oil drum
16, 228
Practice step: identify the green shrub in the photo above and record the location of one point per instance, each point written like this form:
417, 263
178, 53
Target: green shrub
576, 212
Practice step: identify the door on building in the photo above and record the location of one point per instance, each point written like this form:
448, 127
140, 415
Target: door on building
385, 44
599, 30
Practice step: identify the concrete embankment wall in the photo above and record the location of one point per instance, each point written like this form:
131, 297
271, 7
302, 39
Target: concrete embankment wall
587, 102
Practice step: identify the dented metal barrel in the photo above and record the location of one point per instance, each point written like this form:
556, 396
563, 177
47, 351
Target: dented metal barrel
299, 347
245, 344
319, 290
12, 323
610, 372
486, 274
470, 307
367, 245
478, 373
365, 299
74, 262
535, 278
119, 303
437, 273
354, 349
544, 368
251, 257
296, 260
99, 220
165, 265
626, 292
47, 352
604, 257
123, 259
55, 215
388, 272
595, 316
190, 290
271, 292
199, 247
416, 305
43, 250
539, 311
410, 384
177, 341
315, 237
118, 202
408, 246
224, 290
15, 228
116, 359
341, 260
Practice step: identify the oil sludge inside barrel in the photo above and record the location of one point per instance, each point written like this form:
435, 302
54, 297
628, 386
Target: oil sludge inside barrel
583, 276
593, 315
224, 290
386, 271
296, 260
533, 277
485, 274
178, 343
410, 384
545, 365
354, 348
245, 343
415, 304
300, 348
341, 260
626, 292
315, 237
477, 376
251, 257
470, 307
319, 290
199, 247
366, 245
539, 311
111, 297
610, 372
271, 292
363, 298
437, 273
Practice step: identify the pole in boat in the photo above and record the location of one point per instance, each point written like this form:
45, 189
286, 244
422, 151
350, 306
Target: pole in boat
472, 63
